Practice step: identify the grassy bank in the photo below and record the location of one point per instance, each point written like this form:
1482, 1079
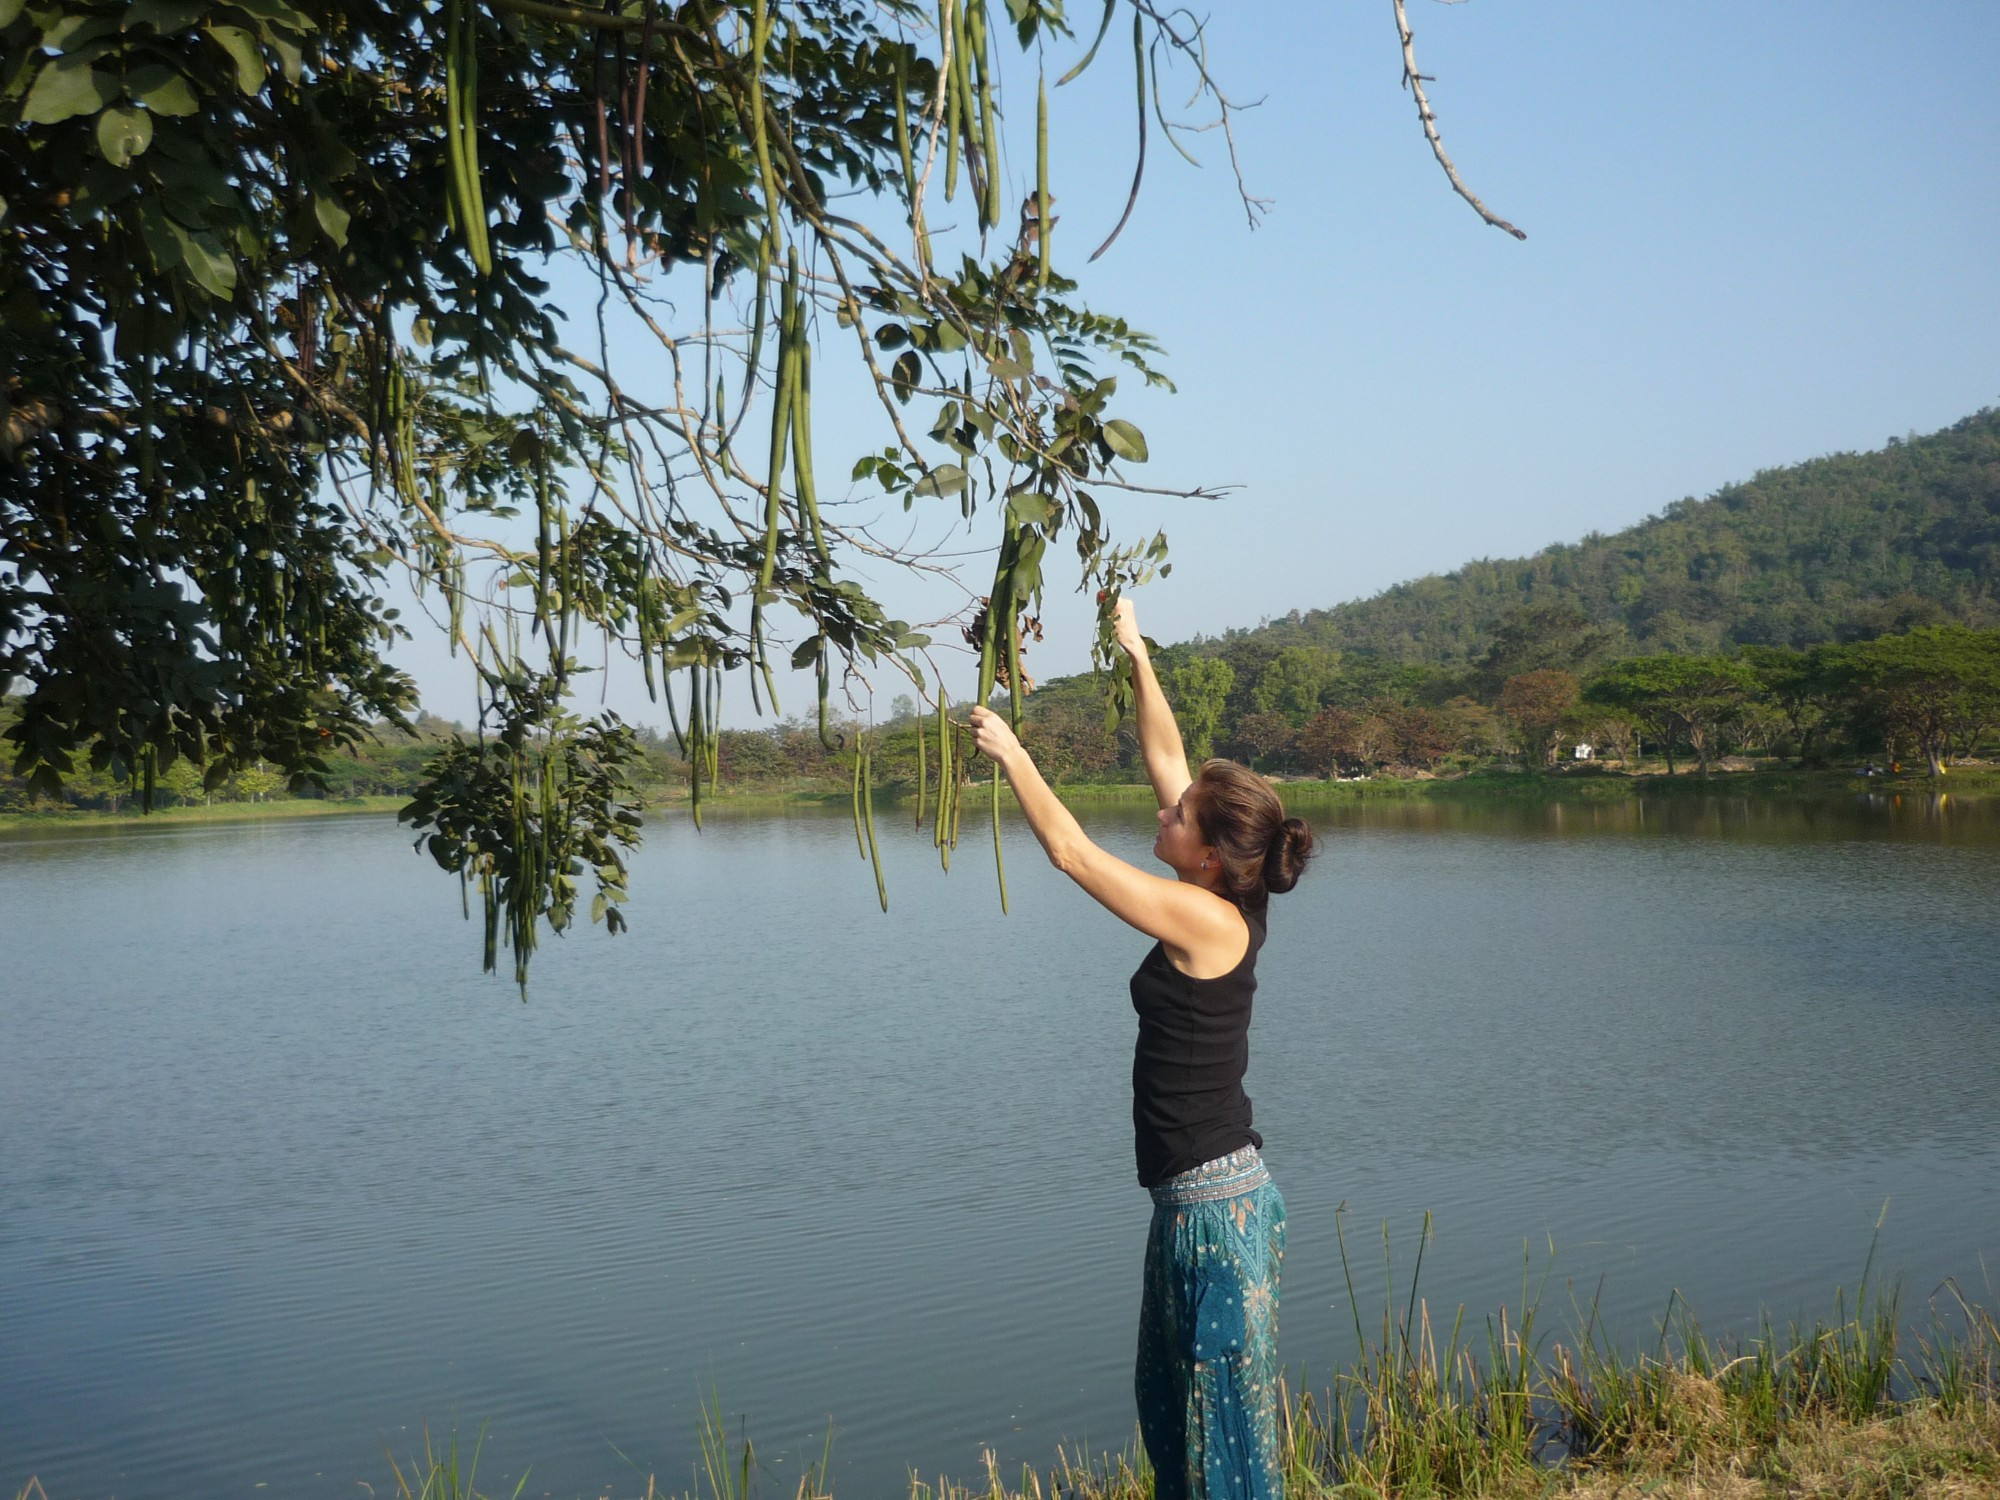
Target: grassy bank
221, 812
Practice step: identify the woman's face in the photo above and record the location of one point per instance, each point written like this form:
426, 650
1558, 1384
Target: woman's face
1180, 843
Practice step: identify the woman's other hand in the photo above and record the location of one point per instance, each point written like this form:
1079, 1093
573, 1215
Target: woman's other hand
1125, 624
991, 736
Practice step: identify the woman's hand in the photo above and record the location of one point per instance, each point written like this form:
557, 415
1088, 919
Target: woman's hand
992, 737
1125, 624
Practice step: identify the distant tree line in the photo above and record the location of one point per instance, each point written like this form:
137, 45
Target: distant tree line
1928, 696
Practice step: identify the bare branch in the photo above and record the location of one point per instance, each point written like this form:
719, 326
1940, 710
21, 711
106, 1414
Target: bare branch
1415, 83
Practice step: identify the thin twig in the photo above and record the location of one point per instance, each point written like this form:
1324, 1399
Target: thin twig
1415, 82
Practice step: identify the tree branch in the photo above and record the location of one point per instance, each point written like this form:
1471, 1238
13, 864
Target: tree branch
1415, 82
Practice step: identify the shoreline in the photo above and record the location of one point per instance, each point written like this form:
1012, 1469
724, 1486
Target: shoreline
1486, 785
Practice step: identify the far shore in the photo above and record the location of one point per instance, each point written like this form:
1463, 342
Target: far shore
1584, 784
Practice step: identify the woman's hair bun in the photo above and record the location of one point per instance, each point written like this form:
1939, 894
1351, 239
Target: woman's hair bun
1292, 845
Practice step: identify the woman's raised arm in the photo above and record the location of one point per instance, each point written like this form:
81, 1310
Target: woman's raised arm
1200, 931
1159, 736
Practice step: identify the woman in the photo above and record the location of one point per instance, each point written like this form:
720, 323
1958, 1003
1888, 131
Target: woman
1207, 1372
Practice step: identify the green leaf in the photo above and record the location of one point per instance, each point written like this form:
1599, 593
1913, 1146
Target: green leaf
123, 133
160, 89
162, 237
1007, 369
10, 11
945, 479
64, 89
1029, 509
242, 49
333, 218
206, 262
1125, 440
73, 32
163, 16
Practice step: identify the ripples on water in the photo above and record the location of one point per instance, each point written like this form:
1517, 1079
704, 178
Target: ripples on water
284, 1177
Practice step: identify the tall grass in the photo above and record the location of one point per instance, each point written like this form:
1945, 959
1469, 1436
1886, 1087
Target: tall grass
1858, 1405
1862, 1405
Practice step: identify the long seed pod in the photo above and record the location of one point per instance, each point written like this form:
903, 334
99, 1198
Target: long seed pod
868, 817
989, 127
1015, 688
461, 87
860, 846
822, 676
923, 770
1043, 225
781, 420
944, 776
1139, 169
959, 777
673, 710
948, 39
801, 424
967, 112
903, 153
760, 37
697, 734
999, 859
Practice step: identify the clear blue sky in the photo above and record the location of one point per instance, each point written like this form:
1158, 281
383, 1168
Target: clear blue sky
1756, 233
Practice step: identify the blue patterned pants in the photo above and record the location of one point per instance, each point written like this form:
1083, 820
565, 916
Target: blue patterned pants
1207, 1377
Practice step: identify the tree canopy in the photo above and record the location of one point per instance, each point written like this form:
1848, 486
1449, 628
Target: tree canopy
289, 301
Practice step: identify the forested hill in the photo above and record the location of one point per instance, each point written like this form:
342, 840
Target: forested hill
1853, 544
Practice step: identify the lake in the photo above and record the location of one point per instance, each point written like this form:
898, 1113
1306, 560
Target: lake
283, 1178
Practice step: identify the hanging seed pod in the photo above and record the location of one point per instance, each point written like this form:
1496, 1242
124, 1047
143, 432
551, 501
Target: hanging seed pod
760, 37
697, 732
868, 817
944, 772
1016, 686
461, 84
821, 674
948, 38
991, 206
923, 770
860, 844
999, 859
903, 153
967, 111
801, 424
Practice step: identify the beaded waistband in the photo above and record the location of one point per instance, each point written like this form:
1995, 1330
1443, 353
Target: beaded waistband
1226, 1177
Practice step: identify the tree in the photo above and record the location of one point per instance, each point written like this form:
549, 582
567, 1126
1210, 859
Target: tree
282, 312
183, 781
1292, 684
1800, 687
1263, 737
1551, 636
1421, 737
1199, 691
1935, 686
1535, 704
1669, 694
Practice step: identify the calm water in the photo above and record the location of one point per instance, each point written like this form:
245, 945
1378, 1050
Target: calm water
282, 1178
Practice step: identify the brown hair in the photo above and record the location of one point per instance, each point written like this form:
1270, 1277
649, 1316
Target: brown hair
1259, 848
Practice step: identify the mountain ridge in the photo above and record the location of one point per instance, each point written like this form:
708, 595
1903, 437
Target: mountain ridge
1839, 546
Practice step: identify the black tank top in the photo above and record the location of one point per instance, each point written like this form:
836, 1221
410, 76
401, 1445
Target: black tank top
1188, 1104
